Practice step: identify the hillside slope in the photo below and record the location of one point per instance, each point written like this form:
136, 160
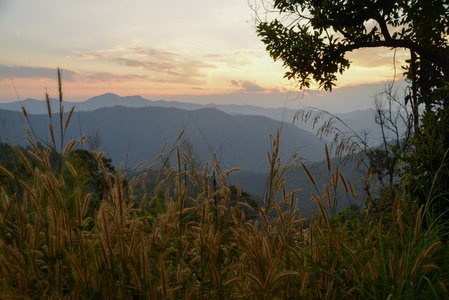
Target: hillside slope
238, 141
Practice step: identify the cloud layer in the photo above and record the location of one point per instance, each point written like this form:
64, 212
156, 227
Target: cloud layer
247, 86
8, 72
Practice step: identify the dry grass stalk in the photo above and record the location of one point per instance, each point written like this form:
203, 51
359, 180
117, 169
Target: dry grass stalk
47, 100
24, 160
432, 248
309, 175
328, 160
52, 135
7, 172
69, 117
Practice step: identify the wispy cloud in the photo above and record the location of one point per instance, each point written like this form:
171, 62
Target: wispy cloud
157, 54
17, 72
162, 66
248, 86
110, 77
7, 72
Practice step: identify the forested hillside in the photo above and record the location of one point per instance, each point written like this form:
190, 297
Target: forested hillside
238, 141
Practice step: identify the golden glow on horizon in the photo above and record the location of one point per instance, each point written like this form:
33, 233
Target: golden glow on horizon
137, 50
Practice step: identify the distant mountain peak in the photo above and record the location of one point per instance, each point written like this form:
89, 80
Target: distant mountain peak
104, 96
109, 94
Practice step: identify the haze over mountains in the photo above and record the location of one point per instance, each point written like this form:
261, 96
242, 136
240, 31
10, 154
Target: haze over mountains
237, 140
361, 121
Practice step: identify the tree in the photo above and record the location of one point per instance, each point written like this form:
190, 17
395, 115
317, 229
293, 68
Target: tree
386, 160
313, 38
91, 173
314, 45
240, 196
11, 161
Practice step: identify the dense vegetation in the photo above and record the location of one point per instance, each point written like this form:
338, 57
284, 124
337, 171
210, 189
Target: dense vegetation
161, 243
313, 39
71, 226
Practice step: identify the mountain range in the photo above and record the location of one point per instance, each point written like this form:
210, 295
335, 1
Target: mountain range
360, 122
131, 135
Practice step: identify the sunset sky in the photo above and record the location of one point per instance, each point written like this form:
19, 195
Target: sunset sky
197, 50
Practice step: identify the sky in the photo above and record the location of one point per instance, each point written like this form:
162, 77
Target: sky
199, 51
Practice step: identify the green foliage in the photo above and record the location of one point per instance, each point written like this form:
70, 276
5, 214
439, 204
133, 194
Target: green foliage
350, 214
11, 161
427, 166
92, 172
312, 38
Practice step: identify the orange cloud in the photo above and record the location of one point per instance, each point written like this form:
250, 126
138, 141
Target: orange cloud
110, 77
248, 86
155, 65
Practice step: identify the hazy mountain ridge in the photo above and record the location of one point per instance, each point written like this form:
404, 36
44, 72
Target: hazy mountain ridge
239, 141
359, 121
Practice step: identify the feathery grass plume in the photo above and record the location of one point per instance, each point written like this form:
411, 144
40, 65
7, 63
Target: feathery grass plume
401, 267
417, 264
418, 220
345, 185
52, 134
7, 172
395, 210
151, 166
39, 157
139, 165
169, 173
24, 160
429, 267
432, 248
69, 117
24, 111
7, 205
309, 175
69, 147
329, 198
47, 100
336, 177
59, 85
322, 210
343, 141
351, 188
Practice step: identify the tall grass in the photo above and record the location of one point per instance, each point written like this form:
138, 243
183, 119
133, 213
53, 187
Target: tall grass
187, 237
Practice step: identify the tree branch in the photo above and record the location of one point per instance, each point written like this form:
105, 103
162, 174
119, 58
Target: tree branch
383, 26
423, 52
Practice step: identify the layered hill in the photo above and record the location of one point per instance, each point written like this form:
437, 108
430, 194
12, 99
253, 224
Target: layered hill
237, 140
359, 122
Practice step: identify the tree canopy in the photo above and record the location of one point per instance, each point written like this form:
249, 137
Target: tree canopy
313, 37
